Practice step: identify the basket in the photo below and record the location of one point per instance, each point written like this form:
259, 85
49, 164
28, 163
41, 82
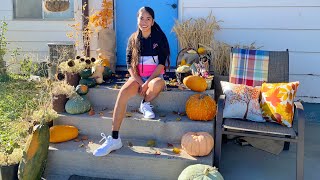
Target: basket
181, 76
182, 53
56, 5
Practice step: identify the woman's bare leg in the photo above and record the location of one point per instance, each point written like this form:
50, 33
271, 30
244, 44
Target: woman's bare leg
127, 91
155, 86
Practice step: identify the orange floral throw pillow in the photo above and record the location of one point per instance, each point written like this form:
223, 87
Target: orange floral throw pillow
277, 102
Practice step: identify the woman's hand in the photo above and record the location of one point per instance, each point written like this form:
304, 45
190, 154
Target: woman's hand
143, 89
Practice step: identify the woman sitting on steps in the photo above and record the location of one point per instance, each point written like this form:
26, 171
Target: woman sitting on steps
147, 53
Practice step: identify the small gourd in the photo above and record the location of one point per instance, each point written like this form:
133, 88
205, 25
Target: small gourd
86, 73
90, 82
82, 89
195, 83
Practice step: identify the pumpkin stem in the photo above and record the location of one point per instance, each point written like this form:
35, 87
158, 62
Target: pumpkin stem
206, 171
202, 96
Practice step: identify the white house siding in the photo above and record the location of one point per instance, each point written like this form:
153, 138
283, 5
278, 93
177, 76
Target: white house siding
274, 25
33, 35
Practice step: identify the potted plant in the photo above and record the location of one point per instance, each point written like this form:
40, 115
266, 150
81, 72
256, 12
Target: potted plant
72, 68
9, 163
61, 91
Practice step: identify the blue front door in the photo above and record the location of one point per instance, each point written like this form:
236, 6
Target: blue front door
166, 12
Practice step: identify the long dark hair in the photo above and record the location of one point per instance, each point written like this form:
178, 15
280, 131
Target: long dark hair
134, 41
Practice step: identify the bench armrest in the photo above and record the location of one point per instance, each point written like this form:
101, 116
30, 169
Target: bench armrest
299, 113
220, 106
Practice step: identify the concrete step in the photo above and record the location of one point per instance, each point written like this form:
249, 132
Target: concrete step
133, 161
168, 101
166, 127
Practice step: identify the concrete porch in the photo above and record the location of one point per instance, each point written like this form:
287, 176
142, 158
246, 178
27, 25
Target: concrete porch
248, 163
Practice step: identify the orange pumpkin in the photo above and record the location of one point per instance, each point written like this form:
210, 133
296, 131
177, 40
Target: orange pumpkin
195, 83
201, 107
197, 143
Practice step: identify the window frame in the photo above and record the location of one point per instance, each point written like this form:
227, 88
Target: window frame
42, 18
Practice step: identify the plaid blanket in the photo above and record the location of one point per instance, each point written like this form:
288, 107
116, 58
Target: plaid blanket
249, 67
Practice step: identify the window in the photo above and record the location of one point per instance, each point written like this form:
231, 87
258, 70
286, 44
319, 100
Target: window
33, 9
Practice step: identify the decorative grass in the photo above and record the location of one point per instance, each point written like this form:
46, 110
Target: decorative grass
191, 32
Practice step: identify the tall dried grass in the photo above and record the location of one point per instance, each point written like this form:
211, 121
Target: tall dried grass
220, 53
192, 32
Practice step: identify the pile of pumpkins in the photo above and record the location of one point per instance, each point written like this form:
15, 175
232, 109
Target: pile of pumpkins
90, 77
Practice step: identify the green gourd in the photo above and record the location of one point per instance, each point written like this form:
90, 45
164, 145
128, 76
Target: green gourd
107, 72
35, 153
200, 171
78, 105
82, 89
86, 73
90, 82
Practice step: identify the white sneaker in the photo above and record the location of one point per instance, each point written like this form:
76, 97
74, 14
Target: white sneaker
146, 110
109, 145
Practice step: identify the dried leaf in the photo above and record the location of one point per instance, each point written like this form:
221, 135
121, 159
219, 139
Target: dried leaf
182, 114
91, 112
178, 119
76, 140
84, 138
151, 143
128, 114
162, 115
157, 152
176, 150
130, 144
81, 145
101, 114
116, 86
169, 145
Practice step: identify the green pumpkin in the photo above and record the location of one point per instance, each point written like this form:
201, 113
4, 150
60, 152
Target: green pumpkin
86, 73
107, 72
90, 82
78, 105
200, 171
35, 154
82, 89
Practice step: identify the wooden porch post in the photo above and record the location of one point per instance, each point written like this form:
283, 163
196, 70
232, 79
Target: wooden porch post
85, 12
